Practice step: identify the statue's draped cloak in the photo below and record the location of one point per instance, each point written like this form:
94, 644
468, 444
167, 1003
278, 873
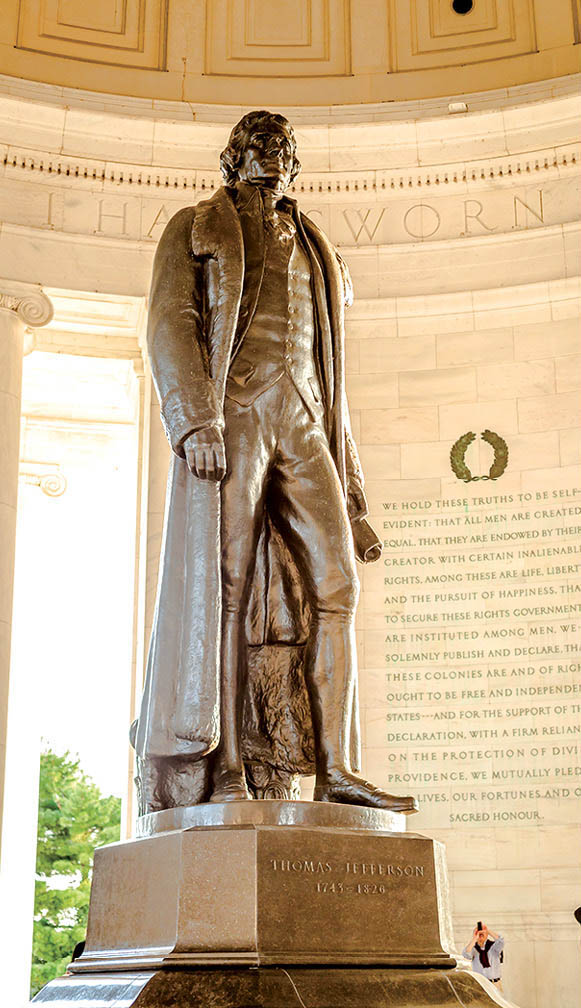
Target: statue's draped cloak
194, 332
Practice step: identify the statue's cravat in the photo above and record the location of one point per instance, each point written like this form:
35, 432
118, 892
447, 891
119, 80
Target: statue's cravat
276, 218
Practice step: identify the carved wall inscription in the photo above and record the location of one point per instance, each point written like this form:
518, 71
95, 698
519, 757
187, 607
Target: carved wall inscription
479, 699
140, 213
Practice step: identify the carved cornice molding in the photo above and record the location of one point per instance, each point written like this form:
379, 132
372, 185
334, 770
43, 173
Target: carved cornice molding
384, 147
56, 96
144, 180
30, 303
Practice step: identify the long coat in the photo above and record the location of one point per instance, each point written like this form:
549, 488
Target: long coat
194, 332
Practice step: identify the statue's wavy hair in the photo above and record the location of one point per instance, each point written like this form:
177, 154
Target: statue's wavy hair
231, 156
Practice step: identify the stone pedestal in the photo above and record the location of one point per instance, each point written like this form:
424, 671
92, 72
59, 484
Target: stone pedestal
281, 900
276, 987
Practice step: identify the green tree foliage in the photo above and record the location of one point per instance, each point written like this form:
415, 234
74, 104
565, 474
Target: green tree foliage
73, 819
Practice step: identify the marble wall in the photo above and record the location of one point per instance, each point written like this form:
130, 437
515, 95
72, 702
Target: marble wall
469, 626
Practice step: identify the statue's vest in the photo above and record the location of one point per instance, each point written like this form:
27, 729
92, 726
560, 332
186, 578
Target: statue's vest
280, 338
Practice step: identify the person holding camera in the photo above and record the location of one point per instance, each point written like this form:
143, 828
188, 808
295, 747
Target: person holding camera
486, 952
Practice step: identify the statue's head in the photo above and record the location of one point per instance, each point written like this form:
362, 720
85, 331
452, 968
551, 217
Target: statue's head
261, 150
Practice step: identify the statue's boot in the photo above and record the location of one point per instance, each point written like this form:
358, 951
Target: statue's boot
330, 672
230, 785
228, 777
347, 789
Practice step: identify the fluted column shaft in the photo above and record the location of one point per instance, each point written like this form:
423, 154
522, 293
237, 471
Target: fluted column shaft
11, 342
21, 305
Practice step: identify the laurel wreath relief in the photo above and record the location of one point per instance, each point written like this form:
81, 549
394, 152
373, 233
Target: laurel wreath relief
460, 447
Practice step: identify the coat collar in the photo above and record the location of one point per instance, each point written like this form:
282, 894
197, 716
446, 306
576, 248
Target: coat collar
247, 196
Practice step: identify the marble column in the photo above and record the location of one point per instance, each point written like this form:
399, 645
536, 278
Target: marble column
21, 306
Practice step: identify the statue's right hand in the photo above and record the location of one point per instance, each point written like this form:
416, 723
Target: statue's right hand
205, 454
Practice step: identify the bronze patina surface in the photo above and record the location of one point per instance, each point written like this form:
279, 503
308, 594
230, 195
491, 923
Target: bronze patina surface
272, 813
252, 677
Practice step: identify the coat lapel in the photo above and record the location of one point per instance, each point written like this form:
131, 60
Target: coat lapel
251, 217
319, 289
333, 339
216, 232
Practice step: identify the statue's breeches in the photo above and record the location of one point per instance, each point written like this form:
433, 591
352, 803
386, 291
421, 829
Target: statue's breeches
279, 462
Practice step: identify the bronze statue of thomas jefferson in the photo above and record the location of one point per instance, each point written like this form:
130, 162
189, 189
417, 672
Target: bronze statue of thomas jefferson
266, 509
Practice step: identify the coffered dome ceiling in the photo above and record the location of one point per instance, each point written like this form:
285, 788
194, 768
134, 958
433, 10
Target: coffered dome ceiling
289, 52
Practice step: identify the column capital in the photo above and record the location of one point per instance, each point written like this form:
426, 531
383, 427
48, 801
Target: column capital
33, 307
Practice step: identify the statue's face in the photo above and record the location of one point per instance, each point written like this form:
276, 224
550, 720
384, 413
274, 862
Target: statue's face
268, 158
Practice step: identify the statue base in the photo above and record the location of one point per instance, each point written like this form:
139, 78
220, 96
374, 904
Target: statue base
276, 987
267, 883
262, 892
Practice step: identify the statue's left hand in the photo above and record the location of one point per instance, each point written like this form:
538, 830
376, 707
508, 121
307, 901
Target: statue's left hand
205, 454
